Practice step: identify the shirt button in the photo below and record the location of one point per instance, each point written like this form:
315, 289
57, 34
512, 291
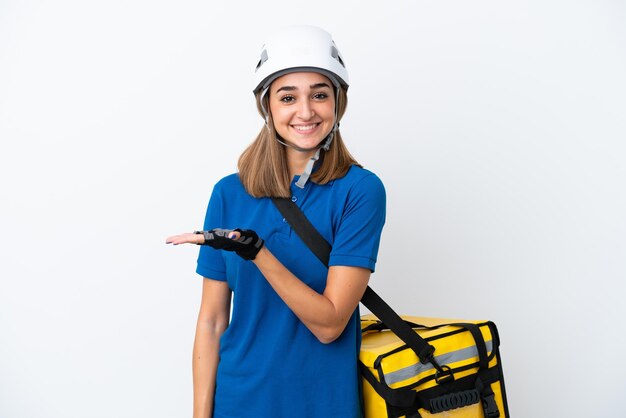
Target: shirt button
284, 220
293, 198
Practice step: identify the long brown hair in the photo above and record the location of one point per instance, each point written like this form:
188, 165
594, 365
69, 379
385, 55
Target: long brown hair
263, 165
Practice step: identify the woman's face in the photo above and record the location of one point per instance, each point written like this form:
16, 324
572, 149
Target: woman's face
303, 108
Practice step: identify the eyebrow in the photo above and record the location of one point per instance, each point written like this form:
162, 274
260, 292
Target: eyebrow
312, 87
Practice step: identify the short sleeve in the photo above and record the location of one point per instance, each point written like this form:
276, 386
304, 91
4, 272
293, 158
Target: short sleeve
210, 262
357, 237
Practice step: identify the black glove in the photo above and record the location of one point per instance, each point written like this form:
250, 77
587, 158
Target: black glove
247, 246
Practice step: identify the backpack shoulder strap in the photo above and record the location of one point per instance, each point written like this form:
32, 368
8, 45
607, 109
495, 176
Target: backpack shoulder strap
321, 248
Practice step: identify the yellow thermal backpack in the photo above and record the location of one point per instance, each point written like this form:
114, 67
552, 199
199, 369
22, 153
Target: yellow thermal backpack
462, 379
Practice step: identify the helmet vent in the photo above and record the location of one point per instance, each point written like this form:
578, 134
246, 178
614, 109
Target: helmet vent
335, 54
263, 59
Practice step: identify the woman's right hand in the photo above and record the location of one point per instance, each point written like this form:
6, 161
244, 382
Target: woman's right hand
186, 238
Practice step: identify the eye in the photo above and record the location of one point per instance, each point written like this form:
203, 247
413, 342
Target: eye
287, 99
320, 96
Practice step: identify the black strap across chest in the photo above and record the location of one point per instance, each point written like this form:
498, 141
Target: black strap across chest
322, 248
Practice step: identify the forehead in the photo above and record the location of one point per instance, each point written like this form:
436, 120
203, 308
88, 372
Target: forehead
300, 80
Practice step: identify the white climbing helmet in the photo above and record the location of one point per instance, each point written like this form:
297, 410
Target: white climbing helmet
299, 48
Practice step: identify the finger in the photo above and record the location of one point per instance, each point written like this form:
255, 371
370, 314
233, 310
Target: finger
175, 240
234, 235
170, 240
187, 238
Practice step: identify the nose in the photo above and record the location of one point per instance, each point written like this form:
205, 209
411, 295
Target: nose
305, 110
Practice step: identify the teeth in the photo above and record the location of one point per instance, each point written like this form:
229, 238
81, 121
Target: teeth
304, 127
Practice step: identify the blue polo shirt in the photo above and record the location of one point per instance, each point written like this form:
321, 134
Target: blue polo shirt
271, 365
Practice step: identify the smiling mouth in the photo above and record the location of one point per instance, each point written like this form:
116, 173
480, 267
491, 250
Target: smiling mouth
305, 128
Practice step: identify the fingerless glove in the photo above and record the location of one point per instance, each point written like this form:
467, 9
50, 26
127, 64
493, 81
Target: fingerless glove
247, 246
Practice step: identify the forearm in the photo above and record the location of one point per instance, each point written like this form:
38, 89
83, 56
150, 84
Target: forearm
204, 367
325, 315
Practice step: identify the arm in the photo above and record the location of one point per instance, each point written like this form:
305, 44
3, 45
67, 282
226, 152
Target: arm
326, 314
212, 321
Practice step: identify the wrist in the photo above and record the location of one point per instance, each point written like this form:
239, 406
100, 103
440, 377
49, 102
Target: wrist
204, 237
261, 255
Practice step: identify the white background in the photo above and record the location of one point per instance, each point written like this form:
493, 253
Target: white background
498, 129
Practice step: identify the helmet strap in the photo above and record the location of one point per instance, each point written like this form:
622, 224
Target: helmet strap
263, 109
304, 177
331, 135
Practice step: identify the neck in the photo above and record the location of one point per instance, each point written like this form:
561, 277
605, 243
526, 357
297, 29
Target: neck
297, 160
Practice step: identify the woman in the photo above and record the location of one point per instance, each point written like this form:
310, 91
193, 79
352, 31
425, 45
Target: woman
290, 347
